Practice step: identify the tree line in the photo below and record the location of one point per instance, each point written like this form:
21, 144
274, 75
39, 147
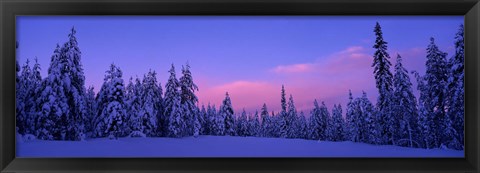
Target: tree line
60, 107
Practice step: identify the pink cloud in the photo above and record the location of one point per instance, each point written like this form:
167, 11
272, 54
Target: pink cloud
295, 68
328, 79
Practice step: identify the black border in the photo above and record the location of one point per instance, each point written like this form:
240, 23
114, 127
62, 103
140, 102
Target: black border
10, 8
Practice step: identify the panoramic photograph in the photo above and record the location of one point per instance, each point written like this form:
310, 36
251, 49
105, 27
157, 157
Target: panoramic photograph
240, 86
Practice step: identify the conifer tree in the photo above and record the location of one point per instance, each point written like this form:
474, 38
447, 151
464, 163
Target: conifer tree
189, 99
115, 113
226, 112
176, 125
291, 118
171, 91
436, 78
242, 127
317, 124
456, 89
384, 84
338, 123
405, 108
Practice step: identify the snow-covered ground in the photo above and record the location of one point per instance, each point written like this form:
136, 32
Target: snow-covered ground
218, 146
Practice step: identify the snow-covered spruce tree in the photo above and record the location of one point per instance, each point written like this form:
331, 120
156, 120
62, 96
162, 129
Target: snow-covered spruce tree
35, 81
436, 78
219, 122
456, 90
358, 121
171, 91
161, 130
254, 125
134, 100
405, 106
197, 126
52, 103
212, 114
91, 110
316, 124
205, 122
189, 99
283, 115
291, 119
75, 87
348, 117
338, 124
384, 84
226, 112
115, 112
176, 122
151, 104
323, 124
277, 122
424, 120
24, 88
302, 126
242, 126
368, 121
266, 123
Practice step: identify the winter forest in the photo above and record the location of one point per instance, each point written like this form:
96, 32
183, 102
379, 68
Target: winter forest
60, 107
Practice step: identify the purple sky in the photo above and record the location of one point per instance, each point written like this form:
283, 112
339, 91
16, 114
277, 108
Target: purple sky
315, 57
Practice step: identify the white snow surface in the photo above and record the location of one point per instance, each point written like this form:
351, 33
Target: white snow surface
219, 146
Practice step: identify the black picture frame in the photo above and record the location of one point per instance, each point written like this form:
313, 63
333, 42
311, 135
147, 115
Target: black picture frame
11, 8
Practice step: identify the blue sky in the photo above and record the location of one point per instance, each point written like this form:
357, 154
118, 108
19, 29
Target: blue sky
315, 57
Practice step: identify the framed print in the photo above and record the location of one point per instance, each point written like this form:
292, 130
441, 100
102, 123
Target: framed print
215, 86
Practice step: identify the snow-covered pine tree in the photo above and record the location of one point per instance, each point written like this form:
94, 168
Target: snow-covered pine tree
315, 123
226, 112
302, 126
91, 110
368, 121
151, 104
52, 103
205, 122
456, 90
349, 117
436, 78
338, 123
242, 125
115, 112
277, 122
219, 122
161, 131
24, 88
171, 91
405, 106
254, 125
212, 114
22, 97
197, 126
384, 83
189, 99
75, 87
323, 122
177, 124
283, 115
329, 132
358, 121
135, 119
424, 120
35, 81
291, 119
266, 123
